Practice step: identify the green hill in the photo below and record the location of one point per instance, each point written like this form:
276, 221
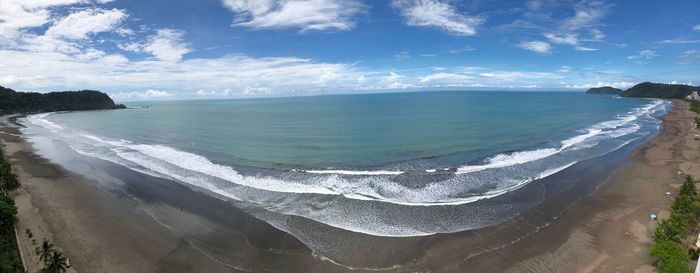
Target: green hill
12, 101
605, 90
659, 90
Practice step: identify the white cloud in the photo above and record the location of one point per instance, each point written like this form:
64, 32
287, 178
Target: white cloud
148, 94
167, 45
536, 46
446, 77
393, 77
80, 24
305, 15
679, 41
567, 39
223, 93
565, 69
438, 14
620, 85
583, 48
696, 27
586, 14
250, 91
644, 54
519, 75
17, 15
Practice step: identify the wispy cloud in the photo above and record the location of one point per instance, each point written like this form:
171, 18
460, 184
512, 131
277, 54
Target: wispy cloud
696, 27
446, 78
304, 15
679, 41
568, 39
438, 14
644, 54
536, 46
586, 15
583, 48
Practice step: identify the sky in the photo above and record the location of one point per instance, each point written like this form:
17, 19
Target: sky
187, 49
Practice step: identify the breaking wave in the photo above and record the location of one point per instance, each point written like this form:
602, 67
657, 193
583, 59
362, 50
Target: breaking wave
339, 198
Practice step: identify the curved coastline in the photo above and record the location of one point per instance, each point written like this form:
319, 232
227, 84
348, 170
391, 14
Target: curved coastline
341, 200
562, 222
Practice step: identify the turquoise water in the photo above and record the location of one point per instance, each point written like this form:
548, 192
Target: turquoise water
399, 164
356, 131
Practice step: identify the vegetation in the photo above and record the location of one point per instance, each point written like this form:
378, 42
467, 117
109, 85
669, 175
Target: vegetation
694, 106
667, 249
54, 261
659, 90
10, 260
12, 101
605, 90
8, 180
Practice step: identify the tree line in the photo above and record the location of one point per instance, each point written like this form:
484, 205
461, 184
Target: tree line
10, 257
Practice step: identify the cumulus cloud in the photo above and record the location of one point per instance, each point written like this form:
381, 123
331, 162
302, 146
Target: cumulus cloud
148, 94
536, 46
304, 15
80, 24
438, 14
167, 45
20, 14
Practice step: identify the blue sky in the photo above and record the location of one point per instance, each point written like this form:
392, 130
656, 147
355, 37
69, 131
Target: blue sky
183, 49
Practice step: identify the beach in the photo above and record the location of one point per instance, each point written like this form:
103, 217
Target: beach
119, 220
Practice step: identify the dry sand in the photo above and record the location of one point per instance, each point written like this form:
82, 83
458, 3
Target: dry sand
608, 230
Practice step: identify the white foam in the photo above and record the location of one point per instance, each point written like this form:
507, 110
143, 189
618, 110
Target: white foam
505, 160
201, 164
170, 162
40, 120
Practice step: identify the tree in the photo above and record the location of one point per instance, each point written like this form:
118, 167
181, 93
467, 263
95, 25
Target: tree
670, 257
8, 212
45, 252
688, 187
57, 263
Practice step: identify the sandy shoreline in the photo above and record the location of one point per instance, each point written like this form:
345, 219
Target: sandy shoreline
122, 221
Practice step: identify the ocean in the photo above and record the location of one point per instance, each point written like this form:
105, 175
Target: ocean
390, 165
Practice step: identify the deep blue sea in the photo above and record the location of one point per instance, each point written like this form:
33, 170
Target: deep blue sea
395, 164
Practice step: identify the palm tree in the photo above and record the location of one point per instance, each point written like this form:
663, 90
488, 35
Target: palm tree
45, 252
57, 263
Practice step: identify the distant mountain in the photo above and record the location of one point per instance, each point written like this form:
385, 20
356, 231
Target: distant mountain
659, 90
605, 90
12, 101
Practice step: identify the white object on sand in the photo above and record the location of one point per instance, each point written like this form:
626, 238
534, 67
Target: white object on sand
652, 217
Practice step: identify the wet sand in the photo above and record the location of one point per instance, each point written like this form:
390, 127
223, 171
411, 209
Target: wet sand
118, 220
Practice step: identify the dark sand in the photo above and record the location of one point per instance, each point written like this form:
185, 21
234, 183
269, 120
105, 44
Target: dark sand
594, 218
